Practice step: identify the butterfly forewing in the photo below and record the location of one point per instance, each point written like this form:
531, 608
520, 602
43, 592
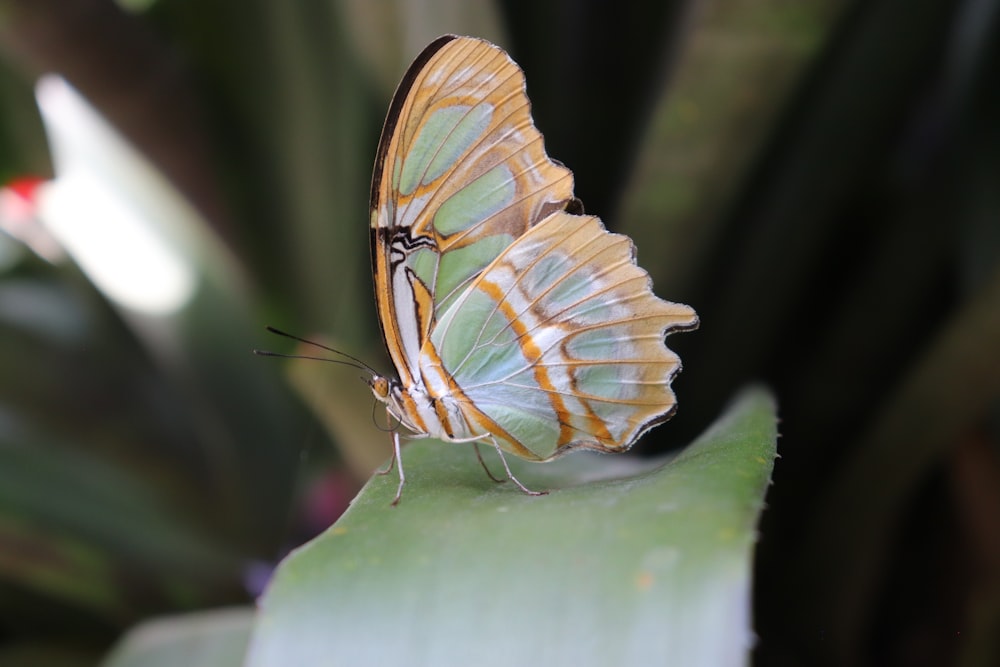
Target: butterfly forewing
461, 173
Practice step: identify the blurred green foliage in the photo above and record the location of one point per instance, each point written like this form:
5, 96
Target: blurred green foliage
818, 178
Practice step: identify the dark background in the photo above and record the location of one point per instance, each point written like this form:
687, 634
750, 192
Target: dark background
820, 179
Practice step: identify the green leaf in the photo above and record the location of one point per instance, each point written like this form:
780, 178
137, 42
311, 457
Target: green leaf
205, 639
624, 562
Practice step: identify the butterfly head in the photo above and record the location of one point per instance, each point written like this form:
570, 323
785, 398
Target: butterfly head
390, 392
381, 387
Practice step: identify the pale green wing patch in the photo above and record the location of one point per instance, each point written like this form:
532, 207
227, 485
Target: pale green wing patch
476, 202
445, 273
464, 211
459, 338
458, 266
484, 354
444, 136
424, 263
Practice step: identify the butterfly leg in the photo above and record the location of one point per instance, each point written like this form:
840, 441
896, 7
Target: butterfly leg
399, 466
388, 468
510, 475
396, 460
479, 455
395, 448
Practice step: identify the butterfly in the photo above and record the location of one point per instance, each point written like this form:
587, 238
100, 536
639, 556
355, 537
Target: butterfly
511, 318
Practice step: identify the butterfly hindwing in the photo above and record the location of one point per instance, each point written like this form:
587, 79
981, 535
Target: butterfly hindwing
559, 342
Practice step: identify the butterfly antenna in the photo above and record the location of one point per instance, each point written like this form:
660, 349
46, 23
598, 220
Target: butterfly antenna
357, 362
280, 355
